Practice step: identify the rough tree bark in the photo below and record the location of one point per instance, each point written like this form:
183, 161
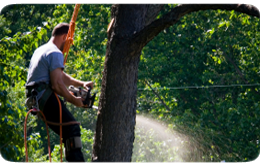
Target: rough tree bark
133, 27
117, 107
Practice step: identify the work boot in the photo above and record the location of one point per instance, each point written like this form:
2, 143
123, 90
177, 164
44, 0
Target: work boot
74, 155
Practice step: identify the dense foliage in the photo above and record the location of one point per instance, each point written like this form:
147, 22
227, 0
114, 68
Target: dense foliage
179, 76
207, 48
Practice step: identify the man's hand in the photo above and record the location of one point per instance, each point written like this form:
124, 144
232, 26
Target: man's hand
78, 102
88, 84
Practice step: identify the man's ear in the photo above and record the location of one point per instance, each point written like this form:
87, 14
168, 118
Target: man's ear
64, 36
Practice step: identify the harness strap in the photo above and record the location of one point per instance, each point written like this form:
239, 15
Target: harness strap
38, 87
45, 97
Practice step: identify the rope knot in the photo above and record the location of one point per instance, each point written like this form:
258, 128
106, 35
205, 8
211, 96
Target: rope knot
72, 22
71, 40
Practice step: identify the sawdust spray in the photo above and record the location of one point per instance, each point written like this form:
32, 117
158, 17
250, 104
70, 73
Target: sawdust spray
156, 142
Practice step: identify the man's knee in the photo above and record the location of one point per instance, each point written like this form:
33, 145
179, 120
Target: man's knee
73, 144
73, 147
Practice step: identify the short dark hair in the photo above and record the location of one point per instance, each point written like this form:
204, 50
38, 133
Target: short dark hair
60, 29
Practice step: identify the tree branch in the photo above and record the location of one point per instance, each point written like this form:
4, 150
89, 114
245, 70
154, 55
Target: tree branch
236, 68
141, 38
239, 72
6, 143
152, 12
157, 96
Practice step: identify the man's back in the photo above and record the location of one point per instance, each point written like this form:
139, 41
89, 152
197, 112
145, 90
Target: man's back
45, 59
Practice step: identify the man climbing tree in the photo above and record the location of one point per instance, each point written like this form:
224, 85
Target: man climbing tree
131, 28
46, 77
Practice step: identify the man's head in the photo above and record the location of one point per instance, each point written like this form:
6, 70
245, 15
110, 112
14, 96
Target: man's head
60, 29
59, 34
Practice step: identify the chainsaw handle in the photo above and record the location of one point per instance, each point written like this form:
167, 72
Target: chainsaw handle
89, 88
89, 99
86, 101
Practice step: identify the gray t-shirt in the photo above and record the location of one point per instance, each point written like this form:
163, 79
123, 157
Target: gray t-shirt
45, 59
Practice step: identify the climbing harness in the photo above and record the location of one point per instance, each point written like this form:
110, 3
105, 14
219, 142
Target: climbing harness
36, 108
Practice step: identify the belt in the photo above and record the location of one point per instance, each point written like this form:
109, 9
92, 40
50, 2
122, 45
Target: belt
40, 87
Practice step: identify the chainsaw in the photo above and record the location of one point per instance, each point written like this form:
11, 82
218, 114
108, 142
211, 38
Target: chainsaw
85, 94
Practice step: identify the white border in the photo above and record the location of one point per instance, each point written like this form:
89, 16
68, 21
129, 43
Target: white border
4, 3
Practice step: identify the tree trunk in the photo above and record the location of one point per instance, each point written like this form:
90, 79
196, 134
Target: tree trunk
117, 107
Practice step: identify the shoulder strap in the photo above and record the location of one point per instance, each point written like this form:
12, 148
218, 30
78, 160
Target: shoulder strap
44, 98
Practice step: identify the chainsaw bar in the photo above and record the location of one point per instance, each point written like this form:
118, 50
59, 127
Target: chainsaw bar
94, 107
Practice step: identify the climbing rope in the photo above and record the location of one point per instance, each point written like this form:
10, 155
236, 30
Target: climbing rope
69, 38
68, 42
46, 122
25, 134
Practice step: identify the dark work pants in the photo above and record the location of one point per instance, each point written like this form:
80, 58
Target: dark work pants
52, 113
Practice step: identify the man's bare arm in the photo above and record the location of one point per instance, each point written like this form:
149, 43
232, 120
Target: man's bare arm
68, 80
59, 87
